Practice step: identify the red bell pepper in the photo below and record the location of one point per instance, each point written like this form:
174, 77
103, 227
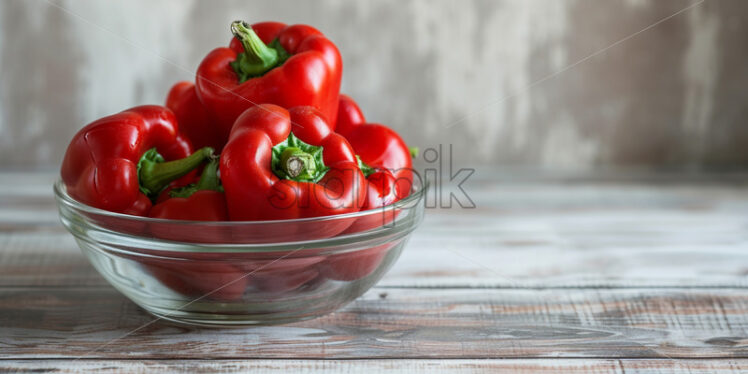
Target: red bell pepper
350, 115
386, 163
270, 173
196, 277
378, 146
191, 275
279, 272
116, 162
381, 189
352, 266
270, 63
274, 282
203, 201
194, 120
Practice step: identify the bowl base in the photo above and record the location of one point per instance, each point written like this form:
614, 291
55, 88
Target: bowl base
170, 319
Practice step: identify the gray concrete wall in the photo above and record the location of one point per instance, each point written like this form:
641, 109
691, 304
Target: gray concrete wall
573, 84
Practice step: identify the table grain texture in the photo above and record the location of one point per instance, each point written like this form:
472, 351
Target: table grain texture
600, 273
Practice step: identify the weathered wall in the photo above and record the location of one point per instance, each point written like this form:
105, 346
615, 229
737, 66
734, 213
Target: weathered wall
518, 82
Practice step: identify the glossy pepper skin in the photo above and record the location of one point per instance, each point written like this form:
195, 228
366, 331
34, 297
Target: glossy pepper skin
196, 275
250, 170
288, 66
194, 120
203, 201
390, 173
101, 164
386, 158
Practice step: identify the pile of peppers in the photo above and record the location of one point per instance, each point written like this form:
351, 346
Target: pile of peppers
262, 134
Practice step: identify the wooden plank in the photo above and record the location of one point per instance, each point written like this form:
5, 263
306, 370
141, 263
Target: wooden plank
93, 323
51, 259
539, 366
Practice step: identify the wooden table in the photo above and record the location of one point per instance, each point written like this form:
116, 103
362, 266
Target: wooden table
604, 274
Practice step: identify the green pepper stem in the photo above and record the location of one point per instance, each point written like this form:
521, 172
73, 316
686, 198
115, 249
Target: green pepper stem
298, 161
365, 169
257, 58
208, 181
295, 162
413, 152
155, 174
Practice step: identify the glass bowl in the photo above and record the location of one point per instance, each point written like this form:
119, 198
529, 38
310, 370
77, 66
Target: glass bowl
242, 273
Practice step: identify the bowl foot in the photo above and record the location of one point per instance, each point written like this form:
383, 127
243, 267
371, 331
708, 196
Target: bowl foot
218, 321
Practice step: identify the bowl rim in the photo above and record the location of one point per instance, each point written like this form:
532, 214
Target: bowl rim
418, 191
160, 245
